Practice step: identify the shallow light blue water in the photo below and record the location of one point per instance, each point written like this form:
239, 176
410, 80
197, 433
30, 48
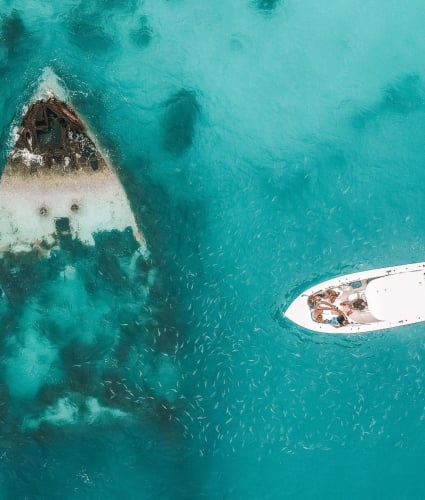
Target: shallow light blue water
265, 146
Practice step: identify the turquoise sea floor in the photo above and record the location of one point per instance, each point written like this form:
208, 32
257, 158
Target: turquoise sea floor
265, 146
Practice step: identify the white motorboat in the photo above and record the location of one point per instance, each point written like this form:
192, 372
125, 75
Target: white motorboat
362, 302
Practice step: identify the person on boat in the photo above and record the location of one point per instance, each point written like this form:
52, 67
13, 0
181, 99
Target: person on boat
318, 316
322, 296
337, 321
320, 306
331, 295
340, 319
357, 304
325, 306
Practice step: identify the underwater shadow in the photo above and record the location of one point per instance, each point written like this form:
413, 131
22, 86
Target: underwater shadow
266, 5
179, 121
403, 96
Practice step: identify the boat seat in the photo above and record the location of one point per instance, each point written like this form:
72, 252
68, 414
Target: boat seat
364, 317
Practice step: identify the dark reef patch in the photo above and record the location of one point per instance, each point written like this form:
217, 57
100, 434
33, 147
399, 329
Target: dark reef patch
17, 47
119, 243
129, 5
87, 33
266, 5
405, 94
20, 275
12, 29
142, 35
179, 121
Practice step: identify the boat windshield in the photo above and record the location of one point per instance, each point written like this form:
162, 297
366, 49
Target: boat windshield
398, 296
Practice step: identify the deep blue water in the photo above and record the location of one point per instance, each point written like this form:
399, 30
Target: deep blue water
265, 146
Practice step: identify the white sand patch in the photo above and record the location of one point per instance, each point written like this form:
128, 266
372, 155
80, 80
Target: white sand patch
63, 412
93, 202
96, 411
30, 366
67, 412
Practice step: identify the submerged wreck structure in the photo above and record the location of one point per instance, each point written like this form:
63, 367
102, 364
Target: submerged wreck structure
56, 182
90, 333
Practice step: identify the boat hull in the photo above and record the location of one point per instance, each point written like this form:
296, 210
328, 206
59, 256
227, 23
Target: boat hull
390, 297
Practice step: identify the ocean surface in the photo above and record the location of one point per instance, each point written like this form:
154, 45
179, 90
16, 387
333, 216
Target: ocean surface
265, 146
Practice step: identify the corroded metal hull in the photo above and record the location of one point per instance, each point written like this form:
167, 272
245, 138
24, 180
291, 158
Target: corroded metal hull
57, 182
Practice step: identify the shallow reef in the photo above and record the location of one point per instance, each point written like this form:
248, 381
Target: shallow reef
179, 121
12, 29
267, 5
143, 33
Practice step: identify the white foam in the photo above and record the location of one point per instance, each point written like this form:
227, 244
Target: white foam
27, 157
50, 85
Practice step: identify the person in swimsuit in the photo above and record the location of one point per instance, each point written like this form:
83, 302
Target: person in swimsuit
337, 321
331, 295
358, 304
322, 297
318, 317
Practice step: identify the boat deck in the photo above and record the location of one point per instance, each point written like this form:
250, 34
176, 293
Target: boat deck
363, 302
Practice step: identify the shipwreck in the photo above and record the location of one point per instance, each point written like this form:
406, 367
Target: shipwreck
57, 182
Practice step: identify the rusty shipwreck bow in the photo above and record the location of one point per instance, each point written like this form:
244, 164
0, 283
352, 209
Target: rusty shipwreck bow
56, 181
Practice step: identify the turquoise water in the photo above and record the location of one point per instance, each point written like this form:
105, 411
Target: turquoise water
265, 146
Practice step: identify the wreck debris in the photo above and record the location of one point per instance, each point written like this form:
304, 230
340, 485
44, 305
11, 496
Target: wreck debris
56, 177
52, 133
